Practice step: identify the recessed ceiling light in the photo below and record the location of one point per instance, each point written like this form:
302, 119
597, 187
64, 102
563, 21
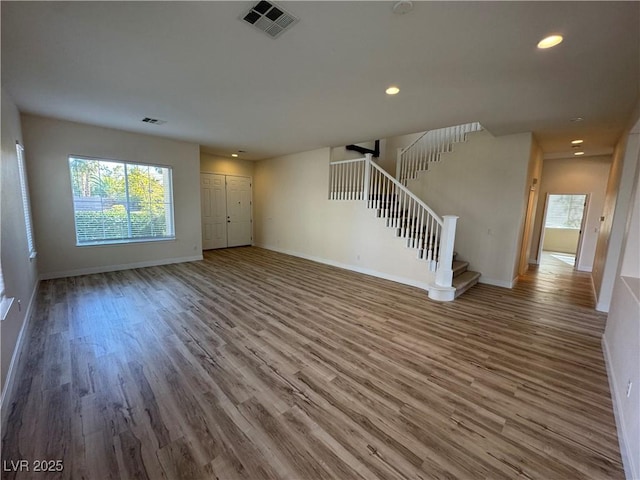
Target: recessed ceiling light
578, 153
577, 142
234, 155
577, 119
392, 90
550, 41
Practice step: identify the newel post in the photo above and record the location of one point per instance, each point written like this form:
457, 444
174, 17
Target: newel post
444, 271
367, 177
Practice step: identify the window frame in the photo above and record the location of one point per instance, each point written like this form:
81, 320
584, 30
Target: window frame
129, 239
551, 211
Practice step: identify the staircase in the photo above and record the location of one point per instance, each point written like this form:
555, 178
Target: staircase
430, 235
463, 279
428, 148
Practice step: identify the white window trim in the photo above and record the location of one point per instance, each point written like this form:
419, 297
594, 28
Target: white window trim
5, 302
124, 241
26, 202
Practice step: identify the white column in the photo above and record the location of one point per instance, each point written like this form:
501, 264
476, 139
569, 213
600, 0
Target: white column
444, 272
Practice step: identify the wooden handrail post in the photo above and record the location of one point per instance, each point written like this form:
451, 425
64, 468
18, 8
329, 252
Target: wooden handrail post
444, 271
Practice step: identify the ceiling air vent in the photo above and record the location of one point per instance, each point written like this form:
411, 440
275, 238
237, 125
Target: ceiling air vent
269, 18
153, 121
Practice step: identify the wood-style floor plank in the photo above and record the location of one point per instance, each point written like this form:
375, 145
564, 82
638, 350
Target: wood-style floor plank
256, 365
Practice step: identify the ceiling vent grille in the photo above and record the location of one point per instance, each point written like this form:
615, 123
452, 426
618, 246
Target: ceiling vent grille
153, 121
269, 18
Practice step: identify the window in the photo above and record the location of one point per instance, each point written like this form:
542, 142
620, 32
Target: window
121, 202
565, 211
5, 302
26, 206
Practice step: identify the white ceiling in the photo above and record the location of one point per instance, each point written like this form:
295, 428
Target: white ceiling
219, 82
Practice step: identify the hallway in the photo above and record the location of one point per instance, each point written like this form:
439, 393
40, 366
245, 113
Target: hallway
555, 281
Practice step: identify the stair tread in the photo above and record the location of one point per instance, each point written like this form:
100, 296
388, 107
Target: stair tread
465, 278
465, 281
459, 267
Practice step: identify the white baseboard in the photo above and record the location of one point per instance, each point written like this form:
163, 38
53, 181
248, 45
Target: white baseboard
114, 268
600, 305
353, 268
497, 283
631, 471
7, 391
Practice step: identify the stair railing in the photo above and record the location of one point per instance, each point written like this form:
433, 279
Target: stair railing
428, 147
347, 179
431, 235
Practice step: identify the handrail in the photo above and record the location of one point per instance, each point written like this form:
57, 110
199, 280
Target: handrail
399, 185
409, 193
402, 150
433, 236
354, 160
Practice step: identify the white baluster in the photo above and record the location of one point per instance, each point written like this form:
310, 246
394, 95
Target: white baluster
391, 193
367, 178
380, 200
330, 193
384, 199
333, 181
378, 189
437, 240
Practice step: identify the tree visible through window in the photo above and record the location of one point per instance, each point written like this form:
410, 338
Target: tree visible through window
565, 211
121, 202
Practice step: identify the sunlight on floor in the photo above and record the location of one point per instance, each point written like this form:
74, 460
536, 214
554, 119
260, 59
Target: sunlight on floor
565, 257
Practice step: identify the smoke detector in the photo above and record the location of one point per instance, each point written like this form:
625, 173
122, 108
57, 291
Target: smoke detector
269, 18
402, 7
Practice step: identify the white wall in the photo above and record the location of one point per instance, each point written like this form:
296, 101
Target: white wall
225, 166
19, 272
484, 182
563, 240
621, 340
49, 142
615, 211
532, 194
576, 175
293, 215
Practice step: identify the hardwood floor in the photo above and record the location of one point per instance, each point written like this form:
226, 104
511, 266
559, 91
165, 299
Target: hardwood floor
252, 364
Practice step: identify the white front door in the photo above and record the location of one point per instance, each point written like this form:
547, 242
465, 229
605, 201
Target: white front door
238, 211
214, 211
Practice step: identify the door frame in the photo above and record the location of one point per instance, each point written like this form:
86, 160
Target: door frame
250, 177
583, 223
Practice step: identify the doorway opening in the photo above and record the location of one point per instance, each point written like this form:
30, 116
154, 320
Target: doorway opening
563, 224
